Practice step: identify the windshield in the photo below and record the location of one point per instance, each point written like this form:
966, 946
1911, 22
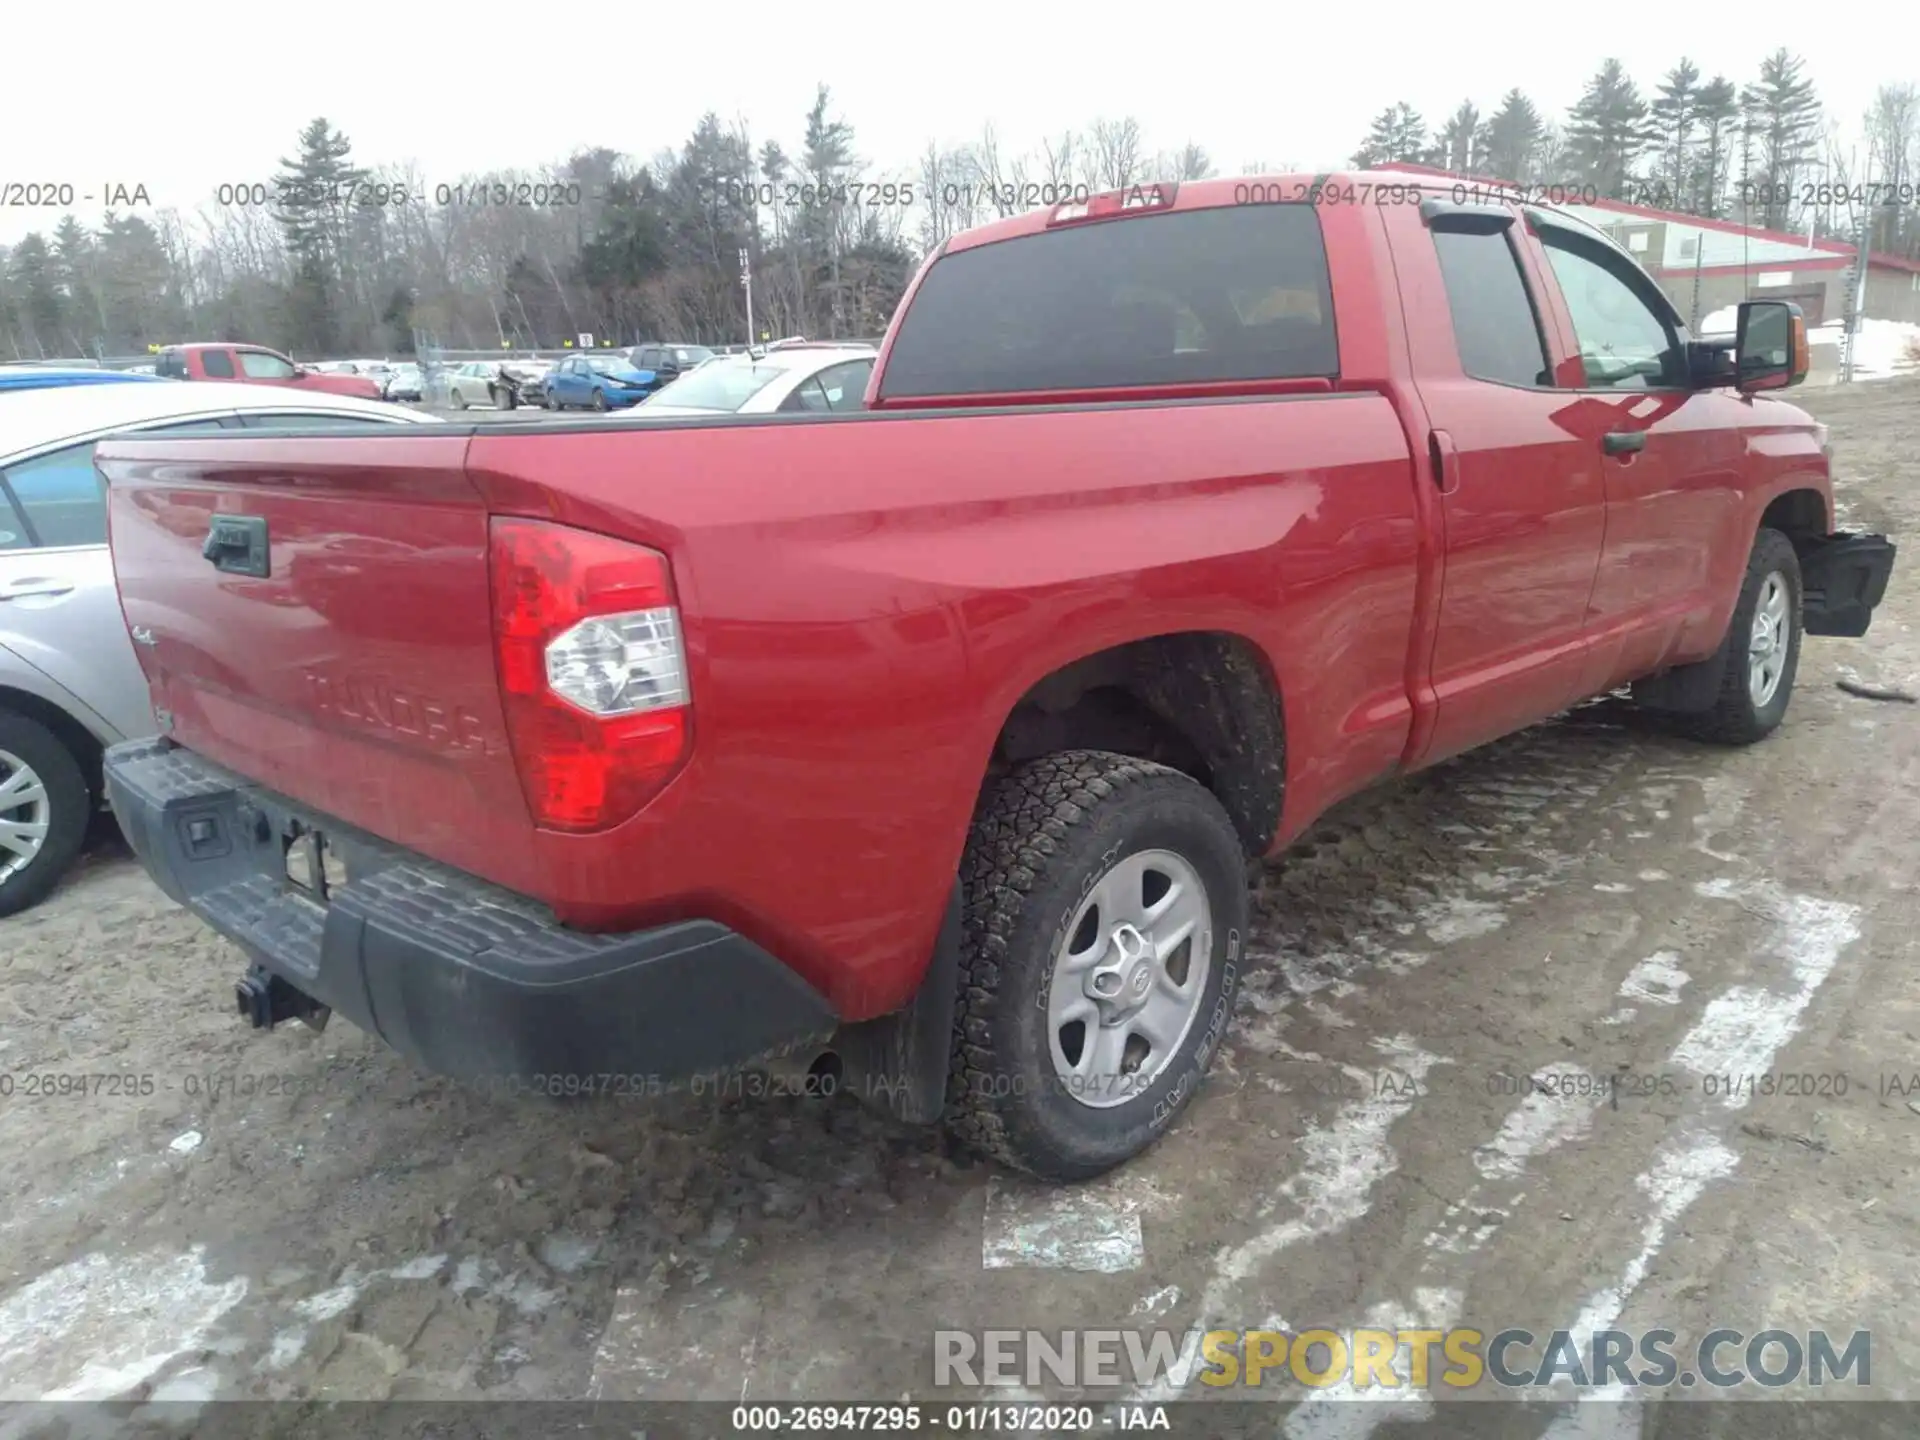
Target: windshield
607, 364
725, 385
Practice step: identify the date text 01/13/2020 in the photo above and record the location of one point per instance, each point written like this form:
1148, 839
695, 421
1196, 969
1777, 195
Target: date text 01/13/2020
961, 1419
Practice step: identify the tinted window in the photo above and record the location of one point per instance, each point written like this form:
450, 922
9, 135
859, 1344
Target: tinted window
845, 386
286, 421
1231, 293
1493, 320
171, 364
217, 363
259, 365
1626, 341
808, 397
61, 495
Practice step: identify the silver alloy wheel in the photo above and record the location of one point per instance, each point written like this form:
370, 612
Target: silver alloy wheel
1128, 979
25, 812
1768, 639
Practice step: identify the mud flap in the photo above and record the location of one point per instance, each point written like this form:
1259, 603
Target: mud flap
1685, 689
1842, 578
898, 1063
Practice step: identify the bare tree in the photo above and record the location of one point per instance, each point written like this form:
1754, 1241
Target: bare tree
1117, 157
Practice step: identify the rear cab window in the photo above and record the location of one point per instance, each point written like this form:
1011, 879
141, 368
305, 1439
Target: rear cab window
218, 364
1495, 325
1228, 293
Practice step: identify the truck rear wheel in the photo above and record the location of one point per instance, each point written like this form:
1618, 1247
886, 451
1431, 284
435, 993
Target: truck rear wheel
45, 807
1104, 908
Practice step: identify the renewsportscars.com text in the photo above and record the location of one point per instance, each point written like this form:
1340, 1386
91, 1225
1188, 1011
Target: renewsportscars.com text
1459, 1358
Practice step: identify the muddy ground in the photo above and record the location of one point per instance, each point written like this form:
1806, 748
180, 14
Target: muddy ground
302, 1215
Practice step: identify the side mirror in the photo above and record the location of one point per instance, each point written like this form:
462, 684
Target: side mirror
1770, 346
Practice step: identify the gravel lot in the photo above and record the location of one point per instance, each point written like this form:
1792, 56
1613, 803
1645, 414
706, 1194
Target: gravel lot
301, 1215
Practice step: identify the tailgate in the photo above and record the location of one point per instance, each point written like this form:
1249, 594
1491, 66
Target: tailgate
313, 613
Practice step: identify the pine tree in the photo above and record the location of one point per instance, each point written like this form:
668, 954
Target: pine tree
1716, 110
1676, 120
315, 192
31, 273
1607, 131
75, 271
1463, 141
1512, 137
827, 157
1397, 135
1781, 115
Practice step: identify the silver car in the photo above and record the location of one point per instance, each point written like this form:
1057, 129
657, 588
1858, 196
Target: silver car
790, 378
69, 683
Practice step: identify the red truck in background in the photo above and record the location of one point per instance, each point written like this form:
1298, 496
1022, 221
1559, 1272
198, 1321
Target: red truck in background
255, 365
925, 746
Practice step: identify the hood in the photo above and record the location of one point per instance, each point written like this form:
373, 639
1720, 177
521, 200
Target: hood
627, 375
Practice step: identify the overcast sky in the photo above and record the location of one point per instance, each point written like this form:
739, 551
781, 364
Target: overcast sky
186, 95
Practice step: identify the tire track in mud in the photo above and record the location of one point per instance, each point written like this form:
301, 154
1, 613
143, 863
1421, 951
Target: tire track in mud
1358, 916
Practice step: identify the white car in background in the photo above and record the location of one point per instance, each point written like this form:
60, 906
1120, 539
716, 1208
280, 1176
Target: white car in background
802, 377
475, 383
69, 683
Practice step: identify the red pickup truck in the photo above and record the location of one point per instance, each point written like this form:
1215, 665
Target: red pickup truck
256, 365
925, 746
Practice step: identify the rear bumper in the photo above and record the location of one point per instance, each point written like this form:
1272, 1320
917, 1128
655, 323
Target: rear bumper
1842, 579
458, 975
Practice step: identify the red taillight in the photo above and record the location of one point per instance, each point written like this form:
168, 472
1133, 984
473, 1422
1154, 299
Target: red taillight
593, 671
1157, 196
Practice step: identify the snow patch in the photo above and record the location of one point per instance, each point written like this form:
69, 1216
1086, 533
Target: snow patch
1341, 1164
1745, 1026
1658, 979
98, 1326
1050, 1229
1458, 918
1545, 1120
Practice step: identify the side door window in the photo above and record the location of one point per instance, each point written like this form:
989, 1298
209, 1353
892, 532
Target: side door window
1627, 339
57, 500
808, 398
217, 363
1495, 326
846, 385
261, 365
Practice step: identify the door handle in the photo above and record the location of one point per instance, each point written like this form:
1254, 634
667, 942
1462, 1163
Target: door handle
38, 585
1445, 456
1624, 442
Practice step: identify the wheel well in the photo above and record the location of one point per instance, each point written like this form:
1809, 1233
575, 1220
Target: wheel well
1800, 515
1202, 702
75, 736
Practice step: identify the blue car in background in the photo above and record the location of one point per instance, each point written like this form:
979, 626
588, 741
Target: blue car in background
597, 382
46, 377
